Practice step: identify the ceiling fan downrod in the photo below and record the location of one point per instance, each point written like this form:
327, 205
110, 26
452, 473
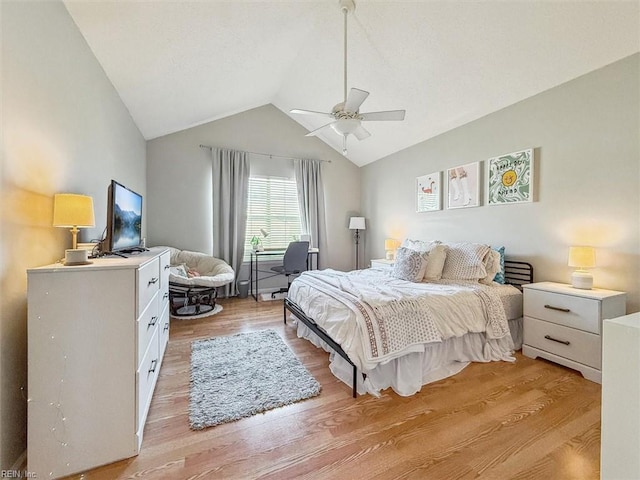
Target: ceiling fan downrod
347, 7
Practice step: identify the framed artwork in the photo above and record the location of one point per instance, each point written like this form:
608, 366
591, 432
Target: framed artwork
510, 178
463, 186
428, 192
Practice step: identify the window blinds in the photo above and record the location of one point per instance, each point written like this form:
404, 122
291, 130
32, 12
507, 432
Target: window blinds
273, 206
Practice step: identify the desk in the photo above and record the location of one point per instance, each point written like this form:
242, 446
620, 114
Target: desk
254, 269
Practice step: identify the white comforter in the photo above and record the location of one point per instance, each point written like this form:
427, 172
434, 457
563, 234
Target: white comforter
380, 323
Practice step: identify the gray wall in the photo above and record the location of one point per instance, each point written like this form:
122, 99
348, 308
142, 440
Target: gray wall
64, 129
586, 135
179, 179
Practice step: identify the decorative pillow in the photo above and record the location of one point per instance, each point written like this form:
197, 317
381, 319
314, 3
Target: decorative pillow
178, 270
435, 263
500, 275
419, 245
409, 265
465, 261
492, 265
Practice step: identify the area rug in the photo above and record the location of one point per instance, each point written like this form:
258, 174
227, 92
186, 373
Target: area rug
267, 297
217, 309
244, 374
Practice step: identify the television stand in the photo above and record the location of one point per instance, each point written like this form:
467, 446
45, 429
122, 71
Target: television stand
119, 254
134, 250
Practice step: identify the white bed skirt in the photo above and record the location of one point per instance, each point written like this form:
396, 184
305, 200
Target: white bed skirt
406, 375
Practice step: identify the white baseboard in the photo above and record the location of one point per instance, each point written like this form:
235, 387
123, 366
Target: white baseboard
265, 297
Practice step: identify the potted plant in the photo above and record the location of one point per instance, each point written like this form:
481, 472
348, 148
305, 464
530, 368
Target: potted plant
256, 243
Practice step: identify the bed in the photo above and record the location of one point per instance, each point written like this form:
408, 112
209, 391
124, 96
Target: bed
387, 331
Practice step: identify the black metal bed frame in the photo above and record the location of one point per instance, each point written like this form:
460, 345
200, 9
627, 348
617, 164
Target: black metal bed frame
516, 273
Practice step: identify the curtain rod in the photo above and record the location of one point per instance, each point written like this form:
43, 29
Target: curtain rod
270, 155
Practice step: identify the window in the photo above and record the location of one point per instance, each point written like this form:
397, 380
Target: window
273, 206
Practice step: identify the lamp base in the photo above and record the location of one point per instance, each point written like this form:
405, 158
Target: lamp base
582, 280
77, 256
389, 255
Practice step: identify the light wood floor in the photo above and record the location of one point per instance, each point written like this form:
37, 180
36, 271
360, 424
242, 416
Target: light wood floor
528, 420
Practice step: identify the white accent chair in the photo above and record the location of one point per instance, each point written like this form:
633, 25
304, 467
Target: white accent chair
194, 295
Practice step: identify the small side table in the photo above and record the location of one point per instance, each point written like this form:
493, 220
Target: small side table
382, 264
564, 324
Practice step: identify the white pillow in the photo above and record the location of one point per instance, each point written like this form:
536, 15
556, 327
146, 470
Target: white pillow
435, 263
419, 245
178, 270
409, 265
492, 265
465, 261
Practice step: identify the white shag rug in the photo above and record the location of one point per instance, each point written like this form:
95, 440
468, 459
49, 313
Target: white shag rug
244, 374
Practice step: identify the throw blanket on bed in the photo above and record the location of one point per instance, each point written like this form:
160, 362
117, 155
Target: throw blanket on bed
396, 317
389, 320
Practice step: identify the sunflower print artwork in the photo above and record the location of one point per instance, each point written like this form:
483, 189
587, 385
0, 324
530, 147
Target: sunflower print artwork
510, 178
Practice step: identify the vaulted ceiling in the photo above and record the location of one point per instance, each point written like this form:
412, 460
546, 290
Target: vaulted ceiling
183, 63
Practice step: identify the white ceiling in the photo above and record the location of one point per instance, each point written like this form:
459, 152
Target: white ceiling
180, 64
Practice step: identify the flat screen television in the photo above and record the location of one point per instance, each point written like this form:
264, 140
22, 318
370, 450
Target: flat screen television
124, 219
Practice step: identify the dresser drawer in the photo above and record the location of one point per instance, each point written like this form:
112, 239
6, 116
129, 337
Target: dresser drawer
583, 347
165, 265
163, 330
147, 325
146, 378
577, 312
148, 283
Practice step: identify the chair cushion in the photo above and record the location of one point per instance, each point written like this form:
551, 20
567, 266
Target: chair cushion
213, 272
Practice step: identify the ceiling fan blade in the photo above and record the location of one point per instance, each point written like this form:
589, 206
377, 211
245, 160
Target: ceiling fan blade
389, 115
310, 112
355, 99
315, 132
361, 133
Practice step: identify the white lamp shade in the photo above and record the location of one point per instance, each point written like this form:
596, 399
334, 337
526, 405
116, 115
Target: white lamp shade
582, 257
357, 223
72, 210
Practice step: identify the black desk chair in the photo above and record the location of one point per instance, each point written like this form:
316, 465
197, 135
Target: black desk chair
294, 262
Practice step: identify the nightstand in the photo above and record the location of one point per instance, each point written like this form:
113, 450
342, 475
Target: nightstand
564, 324
382, 264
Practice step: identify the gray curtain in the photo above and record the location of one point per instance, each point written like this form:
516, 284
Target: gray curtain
230, 199
311, 201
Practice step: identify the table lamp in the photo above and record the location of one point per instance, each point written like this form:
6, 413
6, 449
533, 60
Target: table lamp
582, 258
390, 245
357, 224
73, 211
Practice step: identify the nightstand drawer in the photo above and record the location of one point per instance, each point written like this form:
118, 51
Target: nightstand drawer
577, 312
576, 345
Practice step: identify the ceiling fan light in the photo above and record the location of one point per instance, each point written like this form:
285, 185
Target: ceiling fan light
345, 126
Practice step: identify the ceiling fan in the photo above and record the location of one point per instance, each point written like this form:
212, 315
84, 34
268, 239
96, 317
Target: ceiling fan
346, 115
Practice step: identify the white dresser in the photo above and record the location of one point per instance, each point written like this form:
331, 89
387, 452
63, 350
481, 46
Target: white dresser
620, 438
96, 337
564, 324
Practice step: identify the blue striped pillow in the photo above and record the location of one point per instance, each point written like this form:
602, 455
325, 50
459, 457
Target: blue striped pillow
499, 278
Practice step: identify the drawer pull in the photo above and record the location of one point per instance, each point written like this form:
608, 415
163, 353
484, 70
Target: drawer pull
165, 296
559, 309
166, 327
152, 322
152, 368
152, 281
166, 267
564, 342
